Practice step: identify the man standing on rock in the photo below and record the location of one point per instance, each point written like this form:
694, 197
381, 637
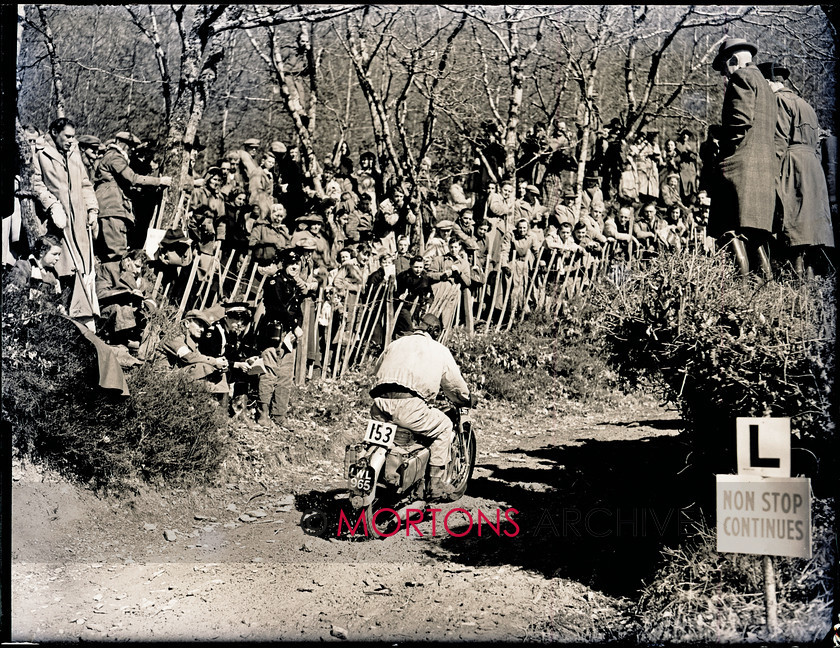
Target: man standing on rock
744, 193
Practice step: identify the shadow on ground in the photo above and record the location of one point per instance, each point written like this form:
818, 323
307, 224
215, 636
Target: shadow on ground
598, 512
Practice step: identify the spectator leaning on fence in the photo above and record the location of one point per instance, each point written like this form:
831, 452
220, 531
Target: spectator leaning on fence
112, 192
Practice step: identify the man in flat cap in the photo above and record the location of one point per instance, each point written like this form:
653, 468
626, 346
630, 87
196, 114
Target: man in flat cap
116, 179
801, 184
90, 147
743, 194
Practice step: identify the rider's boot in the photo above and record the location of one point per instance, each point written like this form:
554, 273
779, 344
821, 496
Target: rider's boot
263, 417
438, 490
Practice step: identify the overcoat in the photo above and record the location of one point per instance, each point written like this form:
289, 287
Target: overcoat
801, 185
743, 193
57, 178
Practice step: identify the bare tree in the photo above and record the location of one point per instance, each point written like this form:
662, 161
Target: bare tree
43, 27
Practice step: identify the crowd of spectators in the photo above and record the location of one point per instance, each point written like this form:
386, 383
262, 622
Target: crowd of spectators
349, 236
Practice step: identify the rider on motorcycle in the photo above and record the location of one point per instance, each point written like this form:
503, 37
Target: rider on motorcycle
409, 374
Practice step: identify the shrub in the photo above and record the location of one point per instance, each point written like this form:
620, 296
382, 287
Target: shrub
542, 357
726, 348
167, 427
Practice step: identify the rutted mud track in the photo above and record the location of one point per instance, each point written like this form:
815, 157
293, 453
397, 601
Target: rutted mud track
596, 496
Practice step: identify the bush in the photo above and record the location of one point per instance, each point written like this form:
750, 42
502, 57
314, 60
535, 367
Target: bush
168, 427
726, 348
542, 357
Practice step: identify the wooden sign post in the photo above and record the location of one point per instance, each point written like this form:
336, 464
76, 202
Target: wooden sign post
763, 510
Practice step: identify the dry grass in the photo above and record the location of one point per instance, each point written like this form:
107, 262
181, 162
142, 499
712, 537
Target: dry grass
700, 595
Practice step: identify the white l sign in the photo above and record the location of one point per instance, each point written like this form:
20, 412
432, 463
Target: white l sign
763, 446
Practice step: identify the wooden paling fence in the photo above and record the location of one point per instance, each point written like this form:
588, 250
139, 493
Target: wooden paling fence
350, 326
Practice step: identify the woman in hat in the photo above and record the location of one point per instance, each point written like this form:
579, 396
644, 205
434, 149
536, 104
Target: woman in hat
648, 158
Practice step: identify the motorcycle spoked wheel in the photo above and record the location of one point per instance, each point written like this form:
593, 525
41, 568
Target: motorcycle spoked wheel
461, 464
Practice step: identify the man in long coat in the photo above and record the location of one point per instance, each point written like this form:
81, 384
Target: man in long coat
65, 192
801, 184
744, 195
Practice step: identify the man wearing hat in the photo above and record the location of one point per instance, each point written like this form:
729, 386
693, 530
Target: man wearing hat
801, 184
182, 351
116, 214
592, 195
89, 147
229, 336
565, 212
278, 335
743, 196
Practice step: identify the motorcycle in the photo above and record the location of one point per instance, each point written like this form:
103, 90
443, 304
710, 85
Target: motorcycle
388, 469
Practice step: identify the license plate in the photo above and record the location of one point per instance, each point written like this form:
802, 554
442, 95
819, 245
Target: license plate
361, 480
380, 433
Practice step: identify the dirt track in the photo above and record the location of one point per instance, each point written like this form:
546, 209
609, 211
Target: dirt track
596, 497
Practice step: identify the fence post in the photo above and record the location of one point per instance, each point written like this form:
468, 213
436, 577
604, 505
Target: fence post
303, 344
186, 296
467, 298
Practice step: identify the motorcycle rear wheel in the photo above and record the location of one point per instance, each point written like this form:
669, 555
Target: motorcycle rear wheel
461, 463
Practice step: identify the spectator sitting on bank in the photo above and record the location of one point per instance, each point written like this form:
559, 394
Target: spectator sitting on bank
643, 226
37, 274
125, 300
181, 349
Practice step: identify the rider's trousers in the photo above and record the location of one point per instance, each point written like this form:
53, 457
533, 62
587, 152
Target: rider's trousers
415, 415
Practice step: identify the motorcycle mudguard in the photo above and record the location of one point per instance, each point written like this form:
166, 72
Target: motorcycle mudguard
376, 461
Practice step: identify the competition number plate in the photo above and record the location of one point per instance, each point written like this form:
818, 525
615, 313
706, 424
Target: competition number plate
380, 433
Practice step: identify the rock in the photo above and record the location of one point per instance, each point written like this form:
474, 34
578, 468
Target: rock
149, 527
199, 517
95, 627
231, 507
231, 525
170, 536
246, 518
307, 547
286, 500
339, 632
283, 509
257, 513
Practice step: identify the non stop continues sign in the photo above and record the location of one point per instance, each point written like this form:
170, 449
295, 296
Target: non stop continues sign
764, 516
